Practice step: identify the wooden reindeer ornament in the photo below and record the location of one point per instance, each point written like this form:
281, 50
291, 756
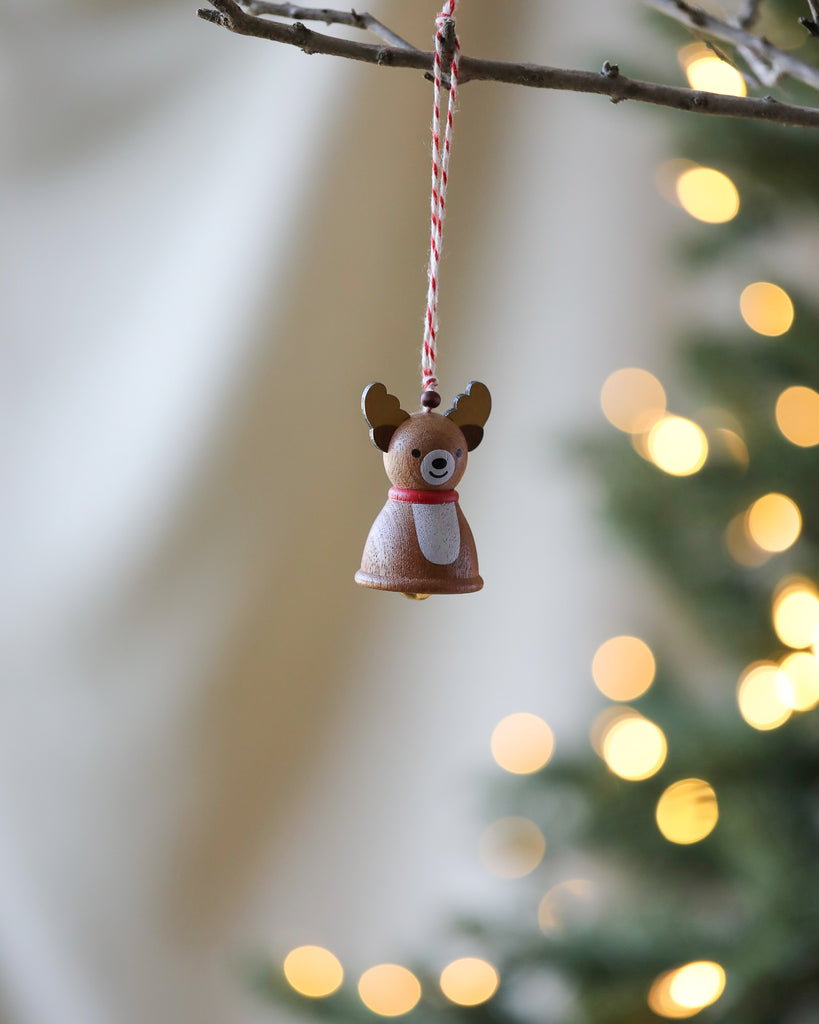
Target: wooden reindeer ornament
421, 544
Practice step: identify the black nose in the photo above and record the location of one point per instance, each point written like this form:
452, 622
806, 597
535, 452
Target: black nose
439, 463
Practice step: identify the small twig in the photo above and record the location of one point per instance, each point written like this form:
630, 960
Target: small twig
355, 19
749, 15
765, 73
616, 86
812, 23
780, 63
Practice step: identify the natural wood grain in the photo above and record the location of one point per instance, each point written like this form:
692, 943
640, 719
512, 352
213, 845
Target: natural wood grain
608, 82
383, 413
424, 545
471, 411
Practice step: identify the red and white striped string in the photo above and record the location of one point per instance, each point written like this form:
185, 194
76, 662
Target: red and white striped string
440, 169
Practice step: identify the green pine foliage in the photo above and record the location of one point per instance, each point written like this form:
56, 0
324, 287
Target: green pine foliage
746, 896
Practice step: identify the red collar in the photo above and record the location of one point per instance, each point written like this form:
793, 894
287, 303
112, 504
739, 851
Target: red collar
423, 497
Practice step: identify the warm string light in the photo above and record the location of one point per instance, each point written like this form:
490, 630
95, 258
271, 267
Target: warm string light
687, 989
797, 682
740, 546
677, 445
795, 613
607, 718
766, 308
769, 525
797, 416
758, 697
522, 743
733, 443
469, 981
708, 195
388, 990
706, 72
623, 668
769, 693
562, 902
512, 847
634, 748
704, 193
774, 522
313, 971
634, 401
687, 811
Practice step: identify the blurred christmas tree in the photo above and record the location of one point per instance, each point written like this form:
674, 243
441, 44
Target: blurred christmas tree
697, 820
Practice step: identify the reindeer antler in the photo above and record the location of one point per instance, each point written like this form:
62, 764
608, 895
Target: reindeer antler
470, 411
383, 413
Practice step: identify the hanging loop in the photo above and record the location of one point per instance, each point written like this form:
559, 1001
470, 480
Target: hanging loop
447, 50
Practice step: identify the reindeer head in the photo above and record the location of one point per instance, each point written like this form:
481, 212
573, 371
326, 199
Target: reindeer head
426, 451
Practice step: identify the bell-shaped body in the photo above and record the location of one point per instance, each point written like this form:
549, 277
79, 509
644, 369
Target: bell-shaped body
421, 542
420, 546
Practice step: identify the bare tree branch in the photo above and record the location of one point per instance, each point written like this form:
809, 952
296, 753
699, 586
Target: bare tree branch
609, 82
781, 63
812, 23
352, 18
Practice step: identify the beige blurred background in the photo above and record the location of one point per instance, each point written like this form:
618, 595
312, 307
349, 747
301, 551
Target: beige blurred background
212, 741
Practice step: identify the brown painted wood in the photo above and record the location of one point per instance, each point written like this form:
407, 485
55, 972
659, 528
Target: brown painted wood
382, 412
415, 546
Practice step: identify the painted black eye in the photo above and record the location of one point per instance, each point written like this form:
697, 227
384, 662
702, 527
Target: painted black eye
458, 453
416, 454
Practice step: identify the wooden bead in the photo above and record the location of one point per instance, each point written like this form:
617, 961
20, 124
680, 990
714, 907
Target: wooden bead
421, 544
430, 400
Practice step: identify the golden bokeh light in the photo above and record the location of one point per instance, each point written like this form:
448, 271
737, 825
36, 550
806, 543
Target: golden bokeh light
512, 847
698, 984
693, 51
639, 442
686, 990
667, 174
522, 743
687, 811
734, 445
758, 697
623, 667
607, 718
797, 415
739, 544
797, 683
389, 990
469, 981
313, 971
634, 748
708, 195
710, 74
677, 446
774, 522
632, 399
796, 614
560, 901
766, 308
